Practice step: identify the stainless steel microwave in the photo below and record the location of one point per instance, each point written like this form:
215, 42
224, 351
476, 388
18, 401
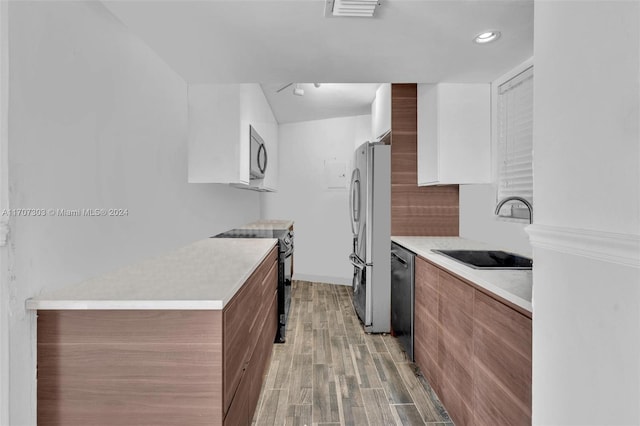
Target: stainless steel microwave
258, 155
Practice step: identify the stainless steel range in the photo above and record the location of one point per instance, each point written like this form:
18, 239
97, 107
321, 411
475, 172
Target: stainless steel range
285, 252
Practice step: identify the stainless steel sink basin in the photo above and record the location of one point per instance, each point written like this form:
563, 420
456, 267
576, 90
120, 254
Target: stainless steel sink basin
488, 259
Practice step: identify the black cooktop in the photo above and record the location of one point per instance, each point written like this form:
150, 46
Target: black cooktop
488, 259
253, 233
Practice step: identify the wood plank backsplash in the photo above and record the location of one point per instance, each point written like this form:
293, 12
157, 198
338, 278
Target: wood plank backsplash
415, 210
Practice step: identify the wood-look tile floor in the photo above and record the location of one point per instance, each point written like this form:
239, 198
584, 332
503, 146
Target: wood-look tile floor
330, 372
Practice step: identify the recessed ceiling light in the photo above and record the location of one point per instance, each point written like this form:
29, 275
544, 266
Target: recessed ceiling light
487, 37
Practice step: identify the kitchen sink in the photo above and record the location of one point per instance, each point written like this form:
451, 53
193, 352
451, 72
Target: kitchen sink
488, 259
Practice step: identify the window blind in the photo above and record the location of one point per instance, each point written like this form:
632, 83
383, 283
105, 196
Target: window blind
515, 142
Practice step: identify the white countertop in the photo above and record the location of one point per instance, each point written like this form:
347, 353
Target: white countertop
512, 285
202, 275
269, 224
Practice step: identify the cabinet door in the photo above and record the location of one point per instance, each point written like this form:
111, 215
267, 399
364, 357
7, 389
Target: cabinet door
214, 134
426, 325
502, 363
456, 347
381, 111
454, 133
260, 302
238, 413
236, 343
262, 354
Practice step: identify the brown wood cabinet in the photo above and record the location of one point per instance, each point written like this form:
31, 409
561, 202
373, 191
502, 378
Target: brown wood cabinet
158, 367
248, 360
474, 349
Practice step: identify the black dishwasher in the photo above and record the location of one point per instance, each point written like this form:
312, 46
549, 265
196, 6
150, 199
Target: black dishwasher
402, 299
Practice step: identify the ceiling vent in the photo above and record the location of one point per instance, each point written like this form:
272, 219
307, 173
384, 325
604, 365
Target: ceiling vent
351, 8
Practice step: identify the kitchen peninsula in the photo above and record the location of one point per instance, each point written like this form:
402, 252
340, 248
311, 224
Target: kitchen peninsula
183, 338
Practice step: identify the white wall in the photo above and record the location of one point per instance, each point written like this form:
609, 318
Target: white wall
586, 281
97, 120
322, 230
479, 222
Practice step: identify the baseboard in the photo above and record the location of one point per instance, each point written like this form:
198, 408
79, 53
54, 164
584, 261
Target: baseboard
623, 249
322, 279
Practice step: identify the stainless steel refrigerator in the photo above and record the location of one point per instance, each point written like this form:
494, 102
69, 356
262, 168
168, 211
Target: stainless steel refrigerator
370, 207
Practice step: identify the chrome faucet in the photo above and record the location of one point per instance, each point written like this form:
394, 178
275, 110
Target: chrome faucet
522, 200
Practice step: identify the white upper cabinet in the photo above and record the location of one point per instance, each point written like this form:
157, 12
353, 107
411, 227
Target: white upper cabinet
220, 116
214, 135
381, 111
454, 133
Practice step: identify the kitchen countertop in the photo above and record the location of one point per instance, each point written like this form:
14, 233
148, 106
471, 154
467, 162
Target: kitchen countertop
202, 275
512, 285
269, 224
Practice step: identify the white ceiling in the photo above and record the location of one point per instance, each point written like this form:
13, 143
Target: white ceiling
276, 42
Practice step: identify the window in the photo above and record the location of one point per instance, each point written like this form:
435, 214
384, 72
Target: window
514, 139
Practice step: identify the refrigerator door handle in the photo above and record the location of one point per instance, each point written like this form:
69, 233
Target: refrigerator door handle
356, 195
357, 261
354, 201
